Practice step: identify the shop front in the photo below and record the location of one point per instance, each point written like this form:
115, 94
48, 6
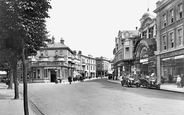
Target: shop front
172, 64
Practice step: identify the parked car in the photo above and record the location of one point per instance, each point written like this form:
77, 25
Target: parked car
129, 82
149, 83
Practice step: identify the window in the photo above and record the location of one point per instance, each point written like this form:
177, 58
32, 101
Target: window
56, 52
61, 52
180, 11
164, 20
87, 67
171, 16
41, 52
180, 36
171, 36
38, 71
151, 32
127, 49
164, 42
46, 53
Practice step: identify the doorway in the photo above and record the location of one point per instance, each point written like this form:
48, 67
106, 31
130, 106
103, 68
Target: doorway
53, 75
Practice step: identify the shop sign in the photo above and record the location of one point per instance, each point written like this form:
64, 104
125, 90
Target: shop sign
144, 60
170, 54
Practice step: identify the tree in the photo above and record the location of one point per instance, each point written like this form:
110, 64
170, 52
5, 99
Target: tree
23, 30
5, 64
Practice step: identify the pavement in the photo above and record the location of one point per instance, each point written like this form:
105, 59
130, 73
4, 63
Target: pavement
9, 105
165, 87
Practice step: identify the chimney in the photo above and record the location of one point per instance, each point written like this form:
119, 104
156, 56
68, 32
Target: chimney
53, 39
62, 41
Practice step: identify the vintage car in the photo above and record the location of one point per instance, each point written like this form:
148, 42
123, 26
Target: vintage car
149, 83
129, 82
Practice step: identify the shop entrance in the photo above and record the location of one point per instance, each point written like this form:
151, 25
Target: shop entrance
53, 75
144, 69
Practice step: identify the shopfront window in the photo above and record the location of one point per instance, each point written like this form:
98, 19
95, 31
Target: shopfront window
171, 67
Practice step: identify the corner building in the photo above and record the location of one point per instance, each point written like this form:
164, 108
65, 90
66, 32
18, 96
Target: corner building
170, 43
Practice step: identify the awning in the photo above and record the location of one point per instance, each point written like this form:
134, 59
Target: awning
76, 73
109, 72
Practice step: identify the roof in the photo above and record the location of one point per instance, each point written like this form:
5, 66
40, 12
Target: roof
56, 45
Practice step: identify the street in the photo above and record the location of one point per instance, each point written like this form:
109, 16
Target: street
99, 97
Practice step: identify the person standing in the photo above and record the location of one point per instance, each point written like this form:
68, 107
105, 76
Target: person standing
182, 80
70, 79
178, 81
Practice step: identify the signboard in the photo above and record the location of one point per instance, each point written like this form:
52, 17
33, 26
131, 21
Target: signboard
144, 60
171, 54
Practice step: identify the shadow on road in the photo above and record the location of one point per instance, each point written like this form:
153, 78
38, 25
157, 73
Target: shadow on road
150, 93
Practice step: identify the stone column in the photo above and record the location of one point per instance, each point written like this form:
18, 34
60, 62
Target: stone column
158, 22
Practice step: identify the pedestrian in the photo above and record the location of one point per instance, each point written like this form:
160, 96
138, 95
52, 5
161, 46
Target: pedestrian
162, 79
178, 81
182, 80
70, 79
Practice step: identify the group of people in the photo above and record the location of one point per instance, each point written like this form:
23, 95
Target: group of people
180, 81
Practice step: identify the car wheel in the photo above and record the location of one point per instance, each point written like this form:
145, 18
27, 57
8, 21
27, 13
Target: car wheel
137, 85
158, 87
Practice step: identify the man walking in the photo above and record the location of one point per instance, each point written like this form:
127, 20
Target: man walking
70, 79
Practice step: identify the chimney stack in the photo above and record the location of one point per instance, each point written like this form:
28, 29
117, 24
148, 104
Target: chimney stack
62, 40
53, 39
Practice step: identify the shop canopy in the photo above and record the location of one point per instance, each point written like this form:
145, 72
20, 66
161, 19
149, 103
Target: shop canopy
76, 73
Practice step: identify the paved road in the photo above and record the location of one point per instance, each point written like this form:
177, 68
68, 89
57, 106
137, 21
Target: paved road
99, 97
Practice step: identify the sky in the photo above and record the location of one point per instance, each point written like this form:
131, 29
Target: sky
92, 25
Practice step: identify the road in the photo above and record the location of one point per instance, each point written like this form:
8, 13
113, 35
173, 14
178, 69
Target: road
100, 97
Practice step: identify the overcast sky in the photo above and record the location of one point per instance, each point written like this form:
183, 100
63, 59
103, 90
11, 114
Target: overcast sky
92, 25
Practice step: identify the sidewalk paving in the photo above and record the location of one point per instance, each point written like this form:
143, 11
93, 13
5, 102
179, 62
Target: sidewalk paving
9, 105
165, 87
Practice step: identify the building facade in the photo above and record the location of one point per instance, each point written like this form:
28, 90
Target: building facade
124, 52
102, 66
144, 50
50, 63
90, 66
170, 43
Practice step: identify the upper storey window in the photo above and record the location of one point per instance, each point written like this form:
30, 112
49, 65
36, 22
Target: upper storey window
171, 35
151, 32
164, 20
180, 11
164, 42
180, 37
56, 52
171, 16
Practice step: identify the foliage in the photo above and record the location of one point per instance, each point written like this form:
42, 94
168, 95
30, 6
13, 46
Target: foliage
22, 24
